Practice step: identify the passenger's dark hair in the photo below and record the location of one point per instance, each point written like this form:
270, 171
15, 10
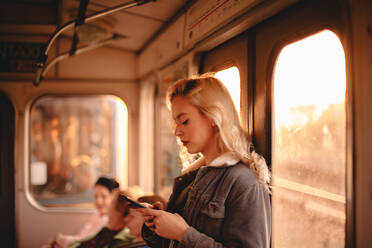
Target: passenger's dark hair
109, 183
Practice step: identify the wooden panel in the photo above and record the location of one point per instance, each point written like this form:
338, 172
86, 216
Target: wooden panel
205, 16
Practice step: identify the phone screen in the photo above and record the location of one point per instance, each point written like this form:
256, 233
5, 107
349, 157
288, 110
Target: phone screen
132, 203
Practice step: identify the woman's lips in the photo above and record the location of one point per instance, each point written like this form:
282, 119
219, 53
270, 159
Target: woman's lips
185, 143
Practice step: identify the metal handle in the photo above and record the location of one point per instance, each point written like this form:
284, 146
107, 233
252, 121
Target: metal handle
70, 24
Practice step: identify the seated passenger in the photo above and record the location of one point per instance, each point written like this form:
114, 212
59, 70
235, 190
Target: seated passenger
123, 228
103, 195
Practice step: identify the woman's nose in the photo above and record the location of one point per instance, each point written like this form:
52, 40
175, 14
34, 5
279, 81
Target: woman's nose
178, 131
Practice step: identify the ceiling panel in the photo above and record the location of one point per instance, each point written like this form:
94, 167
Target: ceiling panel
138, 24
160, 10
137, 30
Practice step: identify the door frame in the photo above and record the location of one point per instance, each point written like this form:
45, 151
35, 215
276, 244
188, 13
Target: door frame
7, 192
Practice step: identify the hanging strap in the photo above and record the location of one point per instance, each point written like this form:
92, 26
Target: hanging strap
79, 20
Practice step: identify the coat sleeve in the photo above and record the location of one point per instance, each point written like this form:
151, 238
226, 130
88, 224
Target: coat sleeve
247, 221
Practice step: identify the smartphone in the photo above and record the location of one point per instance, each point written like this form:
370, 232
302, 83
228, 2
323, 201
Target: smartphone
132, 203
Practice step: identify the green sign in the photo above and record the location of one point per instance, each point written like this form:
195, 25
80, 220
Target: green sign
20, 57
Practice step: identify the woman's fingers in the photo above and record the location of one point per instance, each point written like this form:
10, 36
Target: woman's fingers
158, 205
149, 212
165, 224
150, 216
149, 219
149, 222
148, 205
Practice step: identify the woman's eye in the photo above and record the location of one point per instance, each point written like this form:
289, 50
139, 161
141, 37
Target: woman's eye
185, 122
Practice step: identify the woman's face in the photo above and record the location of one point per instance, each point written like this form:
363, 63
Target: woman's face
102, 199
193, 128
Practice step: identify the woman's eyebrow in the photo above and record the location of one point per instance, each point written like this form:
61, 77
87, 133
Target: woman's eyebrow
180, 115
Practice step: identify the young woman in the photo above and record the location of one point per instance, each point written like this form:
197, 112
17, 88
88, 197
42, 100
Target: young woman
103, 195
222, 199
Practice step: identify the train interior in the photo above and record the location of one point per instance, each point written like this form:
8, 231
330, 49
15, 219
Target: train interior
82, 94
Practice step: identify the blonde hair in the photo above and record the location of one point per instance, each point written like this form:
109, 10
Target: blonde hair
211, 97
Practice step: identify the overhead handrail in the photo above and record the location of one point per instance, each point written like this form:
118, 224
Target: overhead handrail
78, 51
68, 25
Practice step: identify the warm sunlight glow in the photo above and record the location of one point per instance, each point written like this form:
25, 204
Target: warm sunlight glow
121, 126
317, 80
231, 79
309, 144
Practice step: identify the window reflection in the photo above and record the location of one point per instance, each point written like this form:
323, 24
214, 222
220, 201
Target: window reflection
73, 140
309, 144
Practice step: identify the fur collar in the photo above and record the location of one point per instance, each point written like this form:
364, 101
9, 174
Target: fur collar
226, 159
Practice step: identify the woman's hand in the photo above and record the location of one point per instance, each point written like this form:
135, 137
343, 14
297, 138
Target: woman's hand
157, 205
165, 224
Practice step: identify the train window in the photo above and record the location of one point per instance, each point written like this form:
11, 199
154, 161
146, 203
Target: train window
231, 79
73, 140
309, 143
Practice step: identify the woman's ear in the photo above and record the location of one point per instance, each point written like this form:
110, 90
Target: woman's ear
213, 124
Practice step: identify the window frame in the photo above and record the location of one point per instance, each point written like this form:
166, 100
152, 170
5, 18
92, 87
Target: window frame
291, 25
69, 208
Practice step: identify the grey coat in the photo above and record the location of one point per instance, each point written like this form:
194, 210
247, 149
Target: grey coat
225, 207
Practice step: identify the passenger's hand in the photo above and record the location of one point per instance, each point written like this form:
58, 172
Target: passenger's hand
165, 224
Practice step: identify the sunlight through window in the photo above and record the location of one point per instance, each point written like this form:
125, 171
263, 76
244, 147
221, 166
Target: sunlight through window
309, 143
314, 80
231, 79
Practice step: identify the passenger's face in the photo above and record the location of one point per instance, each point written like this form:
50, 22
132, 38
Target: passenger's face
193, 128
102, 199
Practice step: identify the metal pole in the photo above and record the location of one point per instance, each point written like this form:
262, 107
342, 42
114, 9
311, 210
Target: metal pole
78, 51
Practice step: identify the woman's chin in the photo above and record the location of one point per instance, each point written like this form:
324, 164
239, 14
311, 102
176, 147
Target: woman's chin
192, 151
